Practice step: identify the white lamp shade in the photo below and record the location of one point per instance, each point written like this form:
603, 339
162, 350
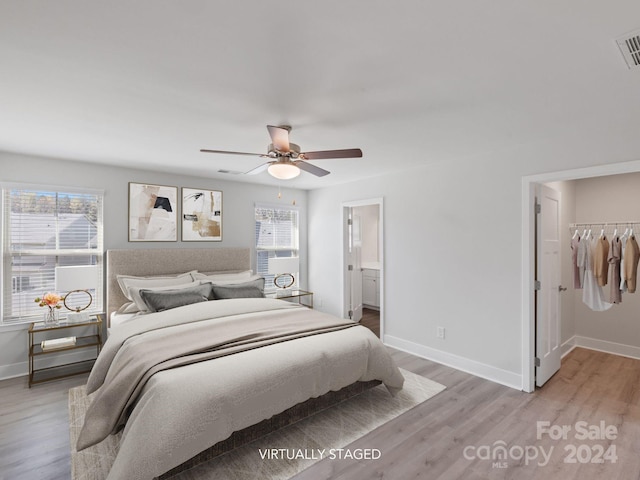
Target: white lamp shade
283, 171
77, 277
279, 265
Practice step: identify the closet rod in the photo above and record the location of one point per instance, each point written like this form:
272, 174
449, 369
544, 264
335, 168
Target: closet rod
604, 224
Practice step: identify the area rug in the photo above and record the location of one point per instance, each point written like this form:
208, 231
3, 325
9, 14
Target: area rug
279, 455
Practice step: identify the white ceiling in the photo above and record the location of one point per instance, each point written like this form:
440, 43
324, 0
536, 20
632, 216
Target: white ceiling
148, 83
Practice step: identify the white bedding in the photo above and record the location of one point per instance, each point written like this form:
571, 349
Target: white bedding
119, 318
184, 410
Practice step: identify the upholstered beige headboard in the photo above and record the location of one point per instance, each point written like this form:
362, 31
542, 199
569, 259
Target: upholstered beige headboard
159, 261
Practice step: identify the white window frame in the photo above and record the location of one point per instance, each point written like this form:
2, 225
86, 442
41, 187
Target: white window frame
294, 249
7, 253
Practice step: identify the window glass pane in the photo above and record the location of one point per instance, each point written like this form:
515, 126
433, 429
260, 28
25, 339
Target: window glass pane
50, 220
276, 228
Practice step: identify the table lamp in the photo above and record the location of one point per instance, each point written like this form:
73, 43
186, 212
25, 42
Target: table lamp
77, 279
283, 267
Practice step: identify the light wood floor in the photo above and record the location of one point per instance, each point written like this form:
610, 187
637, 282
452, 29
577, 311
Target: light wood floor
34, 429
427, 442
371, 320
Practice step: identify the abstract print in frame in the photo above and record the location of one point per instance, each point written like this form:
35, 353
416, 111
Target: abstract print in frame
153, 215
201, 215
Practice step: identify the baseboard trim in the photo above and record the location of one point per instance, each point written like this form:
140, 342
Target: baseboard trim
607, 347
568, 346
14, 370
482, 370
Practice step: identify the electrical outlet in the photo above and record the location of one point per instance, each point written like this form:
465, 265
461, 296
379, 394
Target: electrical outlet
440, 332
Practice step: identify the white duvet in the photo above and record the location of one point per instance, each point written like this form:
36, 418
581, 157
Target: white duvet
185, 410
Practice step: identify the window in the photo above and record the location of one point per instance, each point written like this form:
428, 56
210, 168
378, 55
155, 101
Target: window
44, 229
276, 236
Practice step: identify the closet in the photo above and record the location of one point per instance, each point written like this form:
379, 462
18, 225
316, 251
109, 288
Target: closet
598, 210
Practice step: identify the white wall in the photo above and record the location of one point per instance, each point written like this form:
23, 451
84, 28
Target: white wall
452, 259
453, 249
609, 199
238, 217
453, 254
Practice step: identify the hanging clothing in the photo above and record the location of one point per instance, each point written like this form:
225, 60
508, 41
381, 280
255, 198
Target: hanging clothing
623, 280
592, 294
581, 259
631, 257
578, 271
615, 295
600, 262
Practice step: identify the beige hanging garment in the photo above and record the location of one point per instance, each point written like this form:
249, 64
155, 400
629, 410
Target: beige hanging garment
600, 262
631, 257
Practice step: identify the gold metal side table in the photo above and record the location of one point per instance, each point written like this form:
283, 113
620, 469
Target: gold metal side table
39, 329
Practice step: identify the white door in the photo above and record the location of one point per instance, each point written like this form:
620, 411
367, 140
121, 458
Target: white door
548, 295
353, 265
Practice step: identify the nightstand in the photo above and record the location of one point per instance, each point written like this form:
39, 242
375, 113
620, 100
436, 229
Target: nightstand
38, 331
293, 293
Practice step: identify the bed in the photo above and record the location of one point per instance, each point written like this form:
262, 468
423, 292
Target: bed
189, 382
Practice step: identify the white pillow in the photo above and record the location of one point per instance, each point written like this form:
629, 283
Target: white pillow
231, 282
140, 303
127, 308
118, 319
214, 277
128, 281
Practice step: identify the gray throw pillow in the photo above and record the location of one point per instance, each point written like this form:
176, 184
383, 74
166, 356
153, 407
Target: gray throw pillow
159, 300
242, 290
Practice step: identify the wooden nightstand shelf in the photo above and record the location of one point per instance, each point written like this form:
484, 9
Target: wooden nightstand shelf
68, 369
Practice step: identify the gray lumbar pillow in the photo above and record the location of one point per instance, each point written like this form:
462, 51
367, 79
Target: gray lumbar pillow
157, 301
253, 289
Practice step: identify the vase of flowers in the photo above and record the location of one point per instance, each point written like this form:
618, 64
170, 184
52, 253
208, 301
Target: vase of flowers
52, 302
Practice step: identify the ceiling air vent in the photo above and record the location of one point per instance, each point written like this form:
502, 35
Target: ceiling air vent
630, 47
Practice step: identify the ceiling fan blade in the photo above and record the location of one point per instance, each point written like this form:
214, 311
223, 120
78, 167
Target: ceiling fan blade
279, 138
307, 167
204, 150
259, 169
349, 153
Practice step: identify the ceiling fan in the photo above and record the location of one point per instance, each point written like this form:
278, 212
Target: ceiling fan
286, 158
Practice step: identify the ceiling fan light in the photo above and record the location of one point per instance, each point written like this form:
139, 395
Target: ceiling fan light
283, 171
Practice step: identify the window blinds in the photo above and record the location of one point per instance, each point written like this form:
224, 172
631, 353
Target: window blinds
277, 235
43, 229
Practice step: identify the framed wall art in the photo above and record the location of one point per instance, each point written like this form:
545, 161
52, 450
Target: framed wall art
153, 215
201, 215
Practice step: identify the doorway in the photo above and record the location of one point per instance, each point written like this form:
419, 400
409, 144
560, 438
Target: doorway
529, 214
363, 263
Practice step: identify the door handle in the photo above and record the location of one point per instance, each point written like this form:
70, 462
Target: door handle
561, 288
